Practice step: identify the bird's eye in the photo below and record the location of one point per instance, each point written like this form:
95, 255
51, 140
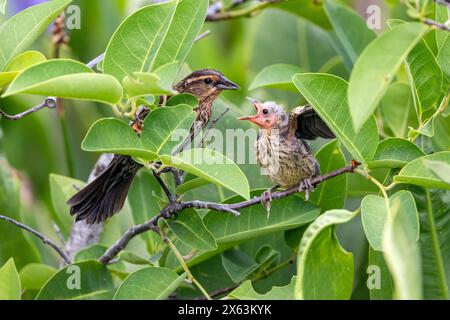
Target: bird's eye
265, 111
208, 80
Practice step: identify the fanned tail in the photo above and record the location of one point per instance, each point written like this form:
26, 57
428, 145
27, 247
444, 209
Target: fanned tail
105, 196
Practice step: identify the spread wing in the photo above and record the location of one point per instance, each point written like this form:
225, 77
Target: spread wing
305, 123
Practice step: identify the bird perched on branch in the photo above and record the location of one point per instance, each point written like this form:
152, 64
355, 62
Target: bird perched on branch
281, 149
106, 195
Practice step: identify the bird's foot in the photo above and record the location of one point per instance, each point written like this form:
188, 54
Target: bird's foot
306, 186
266, 199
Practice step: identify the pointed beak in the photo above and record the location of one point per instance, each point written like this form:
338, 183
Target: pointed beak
257, 119
226, 84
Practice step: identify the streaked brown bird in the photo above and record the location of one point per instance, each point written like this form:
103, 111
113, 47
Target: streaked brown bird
281, 149
106, 195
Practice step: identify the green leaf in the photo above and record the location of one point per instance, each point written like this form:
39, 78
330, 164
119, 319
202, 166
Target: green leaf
111, 135
442, 57
34, 275
19, 63
238, 264
87, 280
382, 286
165, 128
24, 28
141, 84
154, 36
183, 98
400, 246
149, 284
67, 79
330, 194
397, 109
418, 172
246, 292
395, 153
442, 16
350, 28
375, 210
211, 166
189, 228
10, 288
321, 260
440, 169
328, 95
376, 68
61, 189
307, 9
14, 243
191, 185
277, 76
434, 210
132, 258
426, 75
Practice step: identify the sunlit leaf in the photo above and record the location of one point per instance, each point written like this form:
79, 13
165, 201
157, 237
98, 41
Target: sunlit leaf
10, 288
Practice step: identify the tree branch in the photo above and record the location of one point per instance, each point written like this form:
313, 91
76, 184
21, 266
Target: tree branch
175, 207
436, 24
44, 239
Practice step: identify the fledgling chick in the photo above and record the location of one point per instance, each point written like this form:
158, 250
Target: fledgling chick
281, 149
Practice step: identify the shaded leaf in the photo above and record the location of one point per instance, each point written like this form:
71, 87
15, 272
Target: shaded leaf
328, 95
238, 264
380, 276
246, 292
321, 260
395, 153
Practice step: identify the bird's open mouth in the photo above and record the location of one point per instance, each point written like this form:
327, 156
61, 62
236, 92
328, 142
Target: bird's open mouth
258, 105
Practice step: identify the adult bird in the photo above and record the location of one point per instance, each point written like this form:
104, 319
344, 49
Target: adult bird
106, 195
281, 149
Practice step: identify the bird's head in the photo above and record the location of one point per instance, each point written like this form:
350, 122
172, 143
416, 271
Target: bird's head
205, 84
269, 115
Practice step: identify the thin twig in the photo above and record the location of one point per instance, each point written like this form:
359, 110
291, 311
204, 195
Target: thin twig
436, 24
44, 239
217, 15
168, 193
175, 207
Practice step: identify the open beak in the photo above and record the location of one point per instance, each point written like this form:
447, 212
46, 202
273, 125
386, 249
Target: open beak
226, 84
257, 119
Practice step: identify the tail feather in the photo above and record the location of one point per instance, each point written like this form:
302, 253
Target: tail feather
106, 195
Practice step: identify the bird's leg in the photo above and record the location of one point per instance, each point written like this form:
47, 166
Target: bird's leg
307, 187
266, 199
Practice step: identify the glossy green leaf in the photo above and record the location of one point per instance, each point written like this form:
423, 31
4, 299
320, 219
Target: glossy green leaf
377, 67
211, 166
418, 171
111, 135
401, 248
321, 260
24, 28
165, 128
397, 108
375, 210
10, 288
154, 36
87, 280
189, 228
277, 76
395, 153
34, 275
330, 194
246, 292
350, 28
328, 95
149, 284
67, 79
19, 63
192, 184
61, 189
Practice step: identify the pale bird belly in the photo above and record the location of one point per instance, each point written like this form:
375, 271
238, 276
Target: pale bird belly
287, 167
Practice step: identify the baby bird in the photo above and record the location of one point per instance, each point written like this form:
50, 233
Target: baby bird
281, 149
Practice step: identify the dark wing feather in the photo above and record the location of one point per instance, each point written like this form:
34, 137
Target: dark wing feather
308, 125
